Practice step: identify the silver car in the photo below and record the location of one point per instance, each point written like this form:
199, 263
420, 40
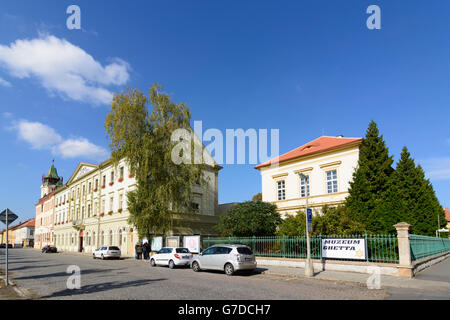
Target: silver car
225, 257
107, 252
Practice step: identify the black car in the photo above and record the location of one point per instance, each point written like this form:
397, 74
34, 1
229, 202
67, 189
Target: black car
3, 245
49, 249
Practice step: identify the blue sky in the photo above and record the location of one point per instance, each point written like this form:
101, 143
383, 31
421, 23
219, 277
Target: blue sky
307, 68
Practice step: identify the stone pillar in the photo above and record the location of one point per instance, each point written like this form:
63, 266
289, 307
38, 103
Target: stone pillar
405, 268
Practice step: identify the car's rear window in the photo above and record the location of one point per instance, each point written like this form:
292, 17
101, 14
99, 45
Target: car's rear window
182, 250
114, 248
244, 250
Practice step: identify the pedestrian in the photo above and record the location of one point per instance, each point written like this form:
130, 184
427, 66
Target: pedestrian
138, 249
146, 250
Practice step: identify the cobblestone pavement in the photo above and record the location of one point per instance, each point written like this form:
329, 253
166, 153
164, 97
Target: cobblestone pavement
44, 276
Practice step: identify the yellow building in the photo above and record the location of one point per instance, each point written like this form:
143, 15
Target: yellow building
91, 208
328, 164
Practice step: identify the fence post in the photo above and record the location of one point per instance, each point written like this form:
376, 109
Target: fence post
405, 268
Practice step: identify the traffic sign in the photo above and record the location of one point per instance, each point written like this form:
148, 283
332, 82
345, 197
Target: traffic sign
11, 216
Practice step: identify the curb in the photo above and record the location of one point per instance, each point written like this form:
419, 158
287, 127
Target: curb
18, 290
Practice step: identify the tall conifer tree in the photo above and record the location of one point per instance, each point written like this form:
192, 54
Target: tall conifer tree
410, 198
370, 181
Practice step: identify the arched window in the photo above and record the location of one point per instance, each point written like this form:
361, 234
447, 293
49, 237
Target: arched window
120, 237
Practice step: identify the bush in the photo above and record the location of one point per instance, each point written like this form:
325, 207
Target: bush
250, 218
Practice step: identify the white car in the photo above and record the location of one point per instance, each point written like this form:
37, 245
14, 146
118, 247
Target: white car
107, 252
171, 257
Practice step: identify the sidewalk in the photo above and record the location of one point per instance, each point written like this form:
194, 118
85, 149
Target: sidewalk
12, 292
386, 281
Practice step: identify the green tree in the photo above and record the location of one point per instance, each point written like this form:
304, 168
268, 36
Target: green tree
335, 221
143, 138
332, 220
250, 218
294, 225
410, 198
257, 197
370, 181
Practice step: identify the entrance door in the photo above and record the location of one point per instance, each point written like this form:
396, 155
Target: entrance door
131, 243
80, 249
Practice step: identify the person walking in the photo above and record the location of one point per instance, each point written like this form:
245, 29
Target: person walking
138, 250
146, 250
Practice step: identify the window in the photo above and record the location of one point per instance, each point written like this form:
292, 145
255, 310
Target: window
195, 207
281, 191
209, 251
104, 181
112, 176
244, 250
332, 185
304, 186
121, 172
84, 190
222, 250
89, 210
89, 188
120, 201
111, 202
96, 184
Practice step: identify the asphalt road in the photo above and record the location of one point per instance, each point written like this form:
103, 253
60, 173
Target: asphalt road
45, 277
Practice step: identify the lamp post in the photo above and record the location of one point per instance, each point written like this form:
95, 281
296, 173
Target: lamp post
309, 269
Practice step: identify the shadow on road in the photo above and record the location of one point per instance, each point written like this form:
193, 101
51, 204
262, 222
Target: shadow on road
95, 288
65, 274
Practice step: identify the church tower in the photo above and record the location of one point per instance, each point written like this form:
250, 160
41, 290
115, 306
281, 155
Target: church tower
50, 181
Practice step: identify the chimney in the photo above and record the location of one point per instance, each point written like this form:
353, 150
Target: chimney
340, 136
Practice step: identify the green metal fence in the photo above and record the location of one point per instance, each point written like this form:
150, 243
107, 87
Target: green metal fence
424, 246
379, 247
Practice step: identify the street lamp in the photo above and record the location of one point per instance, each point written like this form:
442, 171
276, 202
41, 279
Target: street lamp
309, 269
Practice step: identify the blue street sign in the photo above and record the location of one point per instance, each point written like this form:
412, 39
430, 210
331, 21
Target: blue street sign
309, 214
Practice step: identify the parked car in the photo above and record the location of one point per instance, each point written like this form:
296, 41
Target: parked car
107, 252
226, 257
171, 257
49, 249
3, 245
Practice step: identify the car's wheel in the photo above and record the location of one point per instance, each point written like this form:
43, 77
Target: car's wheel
196, 266
152, 262
229, 269
93, 256
103, 258
171, 264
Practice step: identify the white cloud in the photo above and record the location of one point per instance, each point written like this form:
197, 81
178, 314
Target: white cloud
42, 137
63, 68
80, 147
437, 168
38, 135
4, 83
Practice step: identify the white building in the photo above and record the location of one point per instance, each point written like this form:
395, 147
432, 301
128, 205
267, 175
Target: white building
24, 234
328, 163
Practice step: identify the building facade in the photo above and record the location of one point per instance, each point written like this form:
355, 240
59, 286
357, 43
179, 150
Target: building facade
45, 209
328, 164
24, 234
90, 210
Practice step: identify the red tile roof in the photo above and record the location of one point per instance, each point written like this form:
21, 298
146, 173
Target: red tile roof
320, 144
447, 214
